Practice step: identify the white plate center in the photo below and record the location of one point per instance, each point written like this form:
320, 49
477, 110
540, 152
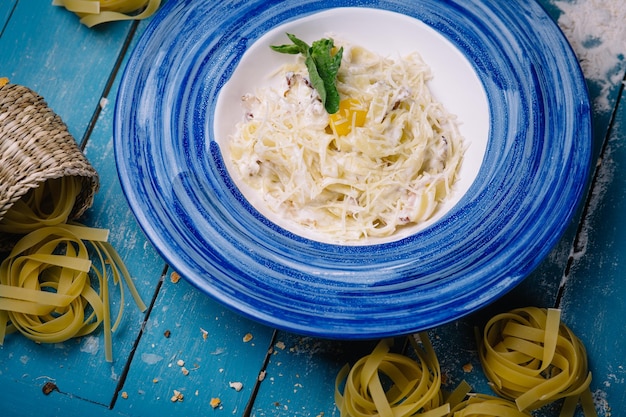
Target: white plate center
455, 84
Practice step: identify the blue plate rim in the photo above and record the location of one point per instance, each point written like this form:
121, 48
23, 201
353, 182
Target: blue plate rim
392, 308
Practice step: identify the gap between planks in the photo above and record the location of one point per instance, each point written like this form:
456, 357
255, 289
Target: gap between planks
110, 81
131, 355
577, 246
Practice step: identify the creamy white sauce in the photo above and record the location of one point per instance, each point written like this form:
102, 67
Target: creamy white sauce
393, 171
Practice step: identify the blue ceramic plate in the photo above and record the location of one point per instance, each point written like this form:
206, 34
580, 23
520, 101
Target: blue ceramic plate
531, 133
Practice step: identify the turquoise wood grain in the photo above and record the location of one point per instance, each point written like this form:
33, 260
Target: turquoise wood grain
25, 400
111, 211
593, 301
300, 378
50, 52
209, 340
6, 9
45, 48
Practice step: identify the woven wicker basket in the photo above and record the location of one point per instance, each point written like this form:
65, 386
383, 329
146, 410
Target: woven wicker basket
35, 146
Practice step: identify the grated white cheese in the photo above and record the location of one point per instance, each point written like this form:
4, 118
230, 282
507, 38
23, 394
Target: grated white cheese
392, 171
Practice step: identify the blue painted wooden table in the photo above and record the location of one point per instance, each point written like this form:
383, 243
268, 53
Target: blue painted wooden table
77, 70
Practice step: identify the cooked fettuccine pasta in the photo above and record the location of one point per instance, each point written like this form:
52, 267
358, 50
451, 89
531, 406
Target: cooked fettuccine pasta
386, 159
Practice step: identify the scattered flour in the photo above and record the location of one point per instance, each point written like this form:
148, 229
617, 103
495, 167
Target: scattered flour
597, 32
151, 358
601, 403
606, 171
90, 345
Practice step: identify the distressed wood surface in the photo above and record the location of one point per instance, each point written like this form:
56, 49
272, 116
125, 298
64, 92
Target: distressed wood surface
77, 71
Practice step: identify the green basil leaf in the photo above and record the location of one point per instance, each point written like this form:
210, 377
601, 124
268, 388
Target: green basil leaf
316, 79
322, 65
327, 67
304, 47
286, 49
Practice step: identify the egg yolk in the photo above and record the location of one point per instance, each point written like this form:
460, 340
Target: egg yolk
351, 114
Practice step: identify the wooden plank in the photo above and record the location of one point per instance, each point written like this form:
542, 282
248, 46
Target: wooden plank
45, 48
300, 377
26, 400
593, 301
69, 65
209, 339
6, 9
